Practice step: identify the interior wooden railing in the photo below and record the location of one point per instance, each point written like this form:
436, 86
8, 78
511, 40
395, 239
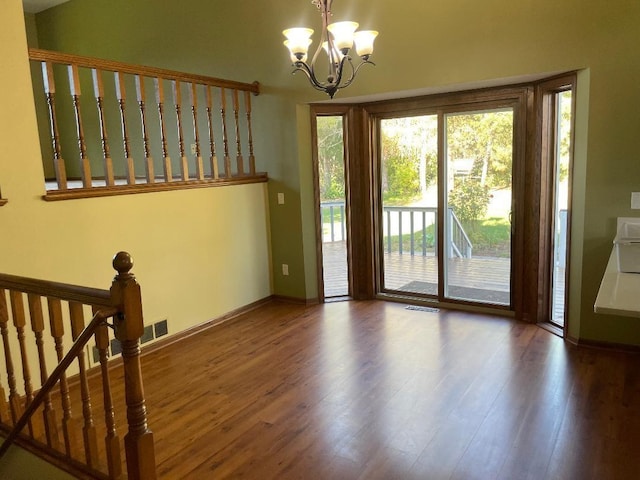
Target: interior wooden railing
117, 128
47, 405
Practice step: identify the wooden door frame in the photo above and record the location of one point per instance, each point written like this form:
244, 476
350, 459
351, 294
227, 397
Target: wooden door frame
517, 97
546, 114
530, 231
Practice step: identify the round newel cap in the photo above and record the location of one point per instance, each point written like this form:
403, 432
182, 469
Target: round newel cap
122, 262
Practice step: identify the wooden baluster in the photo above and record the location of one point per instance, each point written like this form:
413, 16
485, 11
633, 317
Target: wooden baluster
50, 90
212, 142
98, 89
168, 174
125, 293
151, 178
57, 332
225, 139
74, 86
121, 94
112, 440
88, 428
17, 310
236, 113
196, 135
37, 326
177, 97
13, 409
252, 159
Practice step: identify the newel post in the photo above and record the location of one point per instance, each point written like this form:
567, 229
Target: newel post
129, 327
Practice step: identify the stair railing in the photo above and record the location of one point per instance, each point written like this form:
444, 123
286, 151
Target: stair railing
459, 241
122, 303
111, 128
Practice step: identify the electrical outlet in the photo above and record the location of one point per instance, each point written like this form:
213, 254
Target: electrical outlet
280, 198
193, 149
635, 200
285, 269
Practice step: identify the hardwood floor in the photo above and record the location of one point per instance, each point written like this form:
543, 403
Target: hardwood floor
371, 390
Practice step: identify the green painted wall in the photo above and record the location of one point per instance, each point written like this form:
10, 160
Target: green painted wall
422, 45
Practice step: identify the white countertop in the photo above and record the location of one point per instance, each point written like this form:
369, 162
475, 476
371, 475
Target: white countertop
619, 293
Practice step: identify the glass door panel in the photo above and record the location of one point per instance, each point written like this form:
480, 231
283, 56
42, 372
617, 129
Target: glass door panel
477, 220
562, 157
409, 188
332, 205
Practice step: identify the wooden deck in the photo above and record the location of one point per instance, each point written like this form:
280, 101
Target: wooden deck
482, 279
479, 278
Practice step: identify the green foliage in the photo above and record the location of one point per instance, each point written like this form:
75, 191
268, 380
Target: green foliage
469, 200
564, 135
409, 158
487, 138
330, 158
490, 237
401, 173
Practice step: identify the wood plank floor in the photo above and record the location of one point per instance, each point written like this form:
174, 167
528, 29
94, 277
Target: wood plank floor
371, 390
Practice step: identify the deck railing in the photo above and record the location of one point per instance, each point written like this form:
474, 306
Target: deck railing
406, 230
52, 428
118, 128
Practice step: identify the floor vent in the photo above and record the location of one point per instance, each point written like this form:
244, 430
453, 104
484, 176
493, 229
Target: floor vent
160, 328
423, 309
156, 330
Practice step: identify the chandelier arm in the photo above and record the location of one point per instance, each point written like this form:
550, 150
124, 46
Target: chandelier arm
303, 67
355, 71
345, 59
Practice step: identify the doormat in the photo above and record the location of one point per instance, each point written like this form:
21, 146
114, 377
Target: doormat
422, 309
420, 287
463, 293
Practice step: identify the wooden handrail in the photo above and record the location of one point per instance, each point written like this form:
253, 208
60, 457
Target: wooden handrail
75, 349
89, 62
62, 291
123, 302
99, 167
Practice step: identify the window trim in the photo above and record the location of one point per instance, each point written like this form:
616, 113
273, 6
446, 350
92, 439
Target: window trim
528, 237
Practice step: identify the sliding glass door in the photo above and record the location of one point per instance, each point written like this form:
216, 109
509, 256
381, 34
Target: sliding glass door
477, 219
445, 183
409, 191
331, 188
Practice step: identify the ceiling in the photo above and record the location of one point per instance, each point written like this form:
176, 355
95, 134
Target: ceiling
35, 6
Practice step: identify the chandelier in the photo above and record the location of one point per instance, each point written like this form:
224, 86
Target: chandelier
337, 39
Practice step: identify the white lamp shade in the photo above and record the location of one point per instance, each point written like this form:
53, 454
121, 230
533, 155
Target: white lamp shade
364, 42
298, 40
343, 34
294, 59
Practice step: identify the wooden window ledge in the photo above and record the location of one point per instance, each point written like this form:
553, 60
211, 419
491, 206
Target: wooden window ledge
75, 193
